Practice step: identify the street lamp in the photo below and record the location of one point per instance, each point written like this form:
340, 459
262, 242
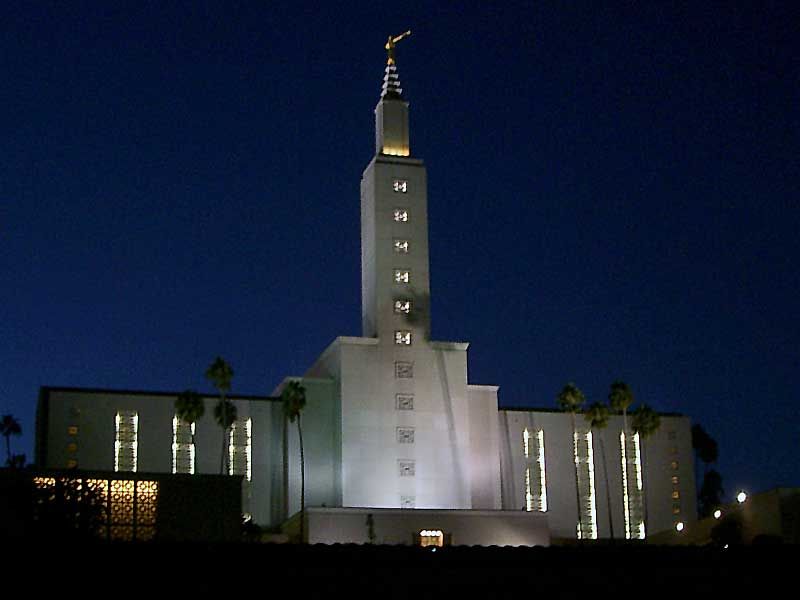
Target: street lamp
679, 526
717, 514
741, 497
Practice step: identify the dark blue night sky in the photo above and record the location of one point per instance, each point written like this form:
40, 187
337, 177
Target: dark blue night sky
613, 194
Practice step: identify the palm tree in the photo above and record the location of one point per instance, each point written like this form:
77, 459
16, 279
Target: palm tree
190, 408
620, 398
294, 401
597, 417
220, 374
9, 426
704, 445
570, 400
645, 422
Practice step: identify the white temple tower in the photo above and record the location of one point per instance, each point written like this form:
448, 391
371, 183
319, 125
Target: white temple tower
413, 433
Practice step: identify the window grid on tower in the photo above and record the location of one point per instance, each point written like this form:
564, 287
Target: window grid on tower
402, 307
402, 276
402, 337
401, 246
401, 215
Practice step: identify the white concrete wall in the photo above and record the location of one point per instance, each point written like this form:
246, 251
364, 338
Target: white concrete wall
484, 447
378, 257
322, 447
659, 452
94, 412
370, 418
466, 528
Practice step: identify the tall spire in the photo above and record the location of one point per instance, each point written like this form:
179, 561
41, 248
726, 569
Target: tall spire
391, 80
391, 114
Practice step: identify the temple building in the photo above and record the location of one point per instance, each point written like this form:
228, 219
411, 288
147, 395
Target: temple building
395, 435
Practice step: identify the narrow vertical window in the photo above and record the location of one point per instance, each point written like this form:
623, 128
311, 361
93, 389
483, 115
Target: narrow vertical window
126, 440
240, 449
632, 493
182, 446
584, 462
535, 481
542, 504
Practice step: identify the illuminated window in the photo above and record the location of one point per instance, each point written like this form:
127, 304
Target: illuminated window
402, 338
408, 502
535, 483
674, 465
405, 435
431, 537
72, 463
401, 215
402, 306
676, 509
584, 463
676, 495
182, 446
403, 370
401, 246
240, 449
72, 448
400, 185
402, 276
126, 442
407, 468
405, 401
675, 480
632, 493
72, 430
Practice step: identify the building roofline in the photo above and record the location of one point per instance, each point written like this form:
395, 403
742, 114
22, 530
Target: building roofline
46, 389
549, 409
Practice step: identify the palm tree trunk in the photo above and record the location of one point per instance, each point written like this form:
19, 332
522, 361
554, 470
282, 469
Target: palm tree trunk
577, 491
302, 482
608, 489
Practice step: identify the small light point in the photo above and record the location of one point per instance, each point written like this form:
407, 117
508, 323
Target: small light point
679, 526
741, 497
717, 514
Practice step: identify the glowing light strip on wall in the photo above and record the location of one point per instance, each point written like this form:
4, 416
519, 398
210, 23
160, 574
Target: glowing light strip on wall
249, 450
542, 479
639, 484
179, 433
625, 500
592, 503
526, 436
237, 451
126, 441
528, 494
588, 508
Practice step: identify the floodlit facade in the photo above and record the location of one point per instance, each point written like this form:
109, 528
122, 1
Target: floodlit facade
393, 428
